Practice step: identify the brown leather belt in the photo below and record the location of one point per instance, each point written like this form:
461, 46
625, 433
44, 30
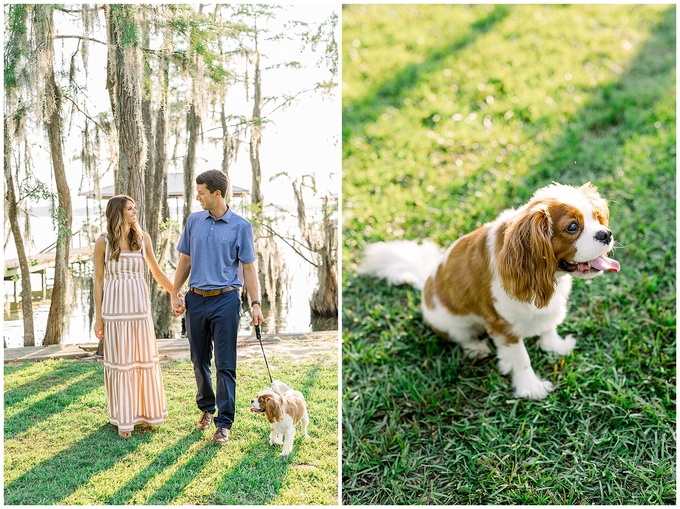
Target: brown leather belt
212, 293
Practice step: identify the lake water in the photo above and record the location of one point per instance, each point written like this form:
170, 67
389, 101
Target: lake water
290, 316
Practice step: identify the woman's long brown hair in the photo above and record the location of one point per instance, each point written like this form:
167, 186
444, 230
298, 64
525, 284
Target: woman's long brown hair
115, 219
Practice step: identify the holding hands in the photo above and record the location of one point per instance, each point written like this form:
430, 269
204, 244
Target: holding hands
178, 304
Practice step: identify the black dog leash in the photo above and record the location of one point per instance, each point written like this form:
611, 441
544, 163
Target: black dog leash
259, 337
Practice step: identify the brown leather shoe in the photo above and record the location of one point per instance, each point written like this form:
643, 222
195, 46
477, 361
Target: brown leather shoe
221, 435
205, 420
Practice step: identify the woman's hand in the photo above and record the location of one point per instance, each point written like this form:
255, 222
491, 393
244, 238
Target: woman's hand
178, 304
99, 329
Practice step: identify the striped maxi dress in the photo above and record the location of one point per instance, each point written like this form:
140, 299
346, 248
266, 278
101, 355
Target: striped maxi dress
132, 373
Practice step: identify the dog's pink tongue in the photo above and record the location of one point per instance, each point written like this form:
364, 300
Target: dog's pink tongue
604, 263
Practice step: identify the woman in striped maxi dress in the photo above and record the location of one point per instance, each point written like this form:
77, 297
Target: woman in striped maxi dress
132, 374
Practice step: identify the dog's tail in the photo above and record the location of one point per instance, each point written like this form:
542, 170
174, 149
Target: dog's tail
401, 261
279, 387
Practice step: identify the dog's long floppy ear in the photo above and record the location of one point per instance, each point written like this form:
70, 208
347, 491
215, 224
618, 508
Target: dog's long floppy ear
272, 409
526, 262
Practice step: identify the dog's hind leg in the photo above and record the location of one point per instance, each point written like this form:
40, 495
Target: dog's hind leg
304, 422
462, 329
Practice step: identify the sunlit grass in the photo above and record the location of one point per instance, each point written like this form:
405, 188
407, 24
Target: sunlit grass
60, 449
450, 115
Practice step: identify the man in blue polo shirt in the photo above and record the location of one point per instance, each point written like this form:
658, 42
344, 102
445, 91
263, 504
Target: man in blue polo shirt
214, 244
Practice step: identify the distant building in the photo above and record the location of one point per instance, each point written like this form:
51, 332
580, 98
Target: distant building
239, 202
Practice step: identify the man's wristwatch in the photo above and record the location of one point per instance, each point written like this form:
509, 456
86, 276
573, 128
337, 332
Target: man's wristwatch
255, 302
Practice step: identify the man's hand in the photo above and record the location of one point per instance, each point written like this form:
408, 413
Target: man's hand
178, 304
257, 315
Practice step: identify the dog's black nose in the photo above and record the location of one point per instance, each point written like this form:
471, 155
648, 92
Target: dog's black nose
604, 236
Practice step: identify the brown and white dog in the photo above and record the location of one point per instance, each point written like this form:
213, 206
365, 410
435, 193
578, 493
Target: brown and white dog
284, 408
511, 277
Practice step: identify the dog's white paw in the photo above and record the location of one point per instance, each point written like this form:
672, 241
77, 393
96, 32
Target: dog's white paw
532, 387
557, 345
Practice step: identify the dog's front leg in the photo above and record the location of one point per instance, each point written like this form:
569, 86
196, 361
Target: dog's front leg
288, 442
274, 437
513, 359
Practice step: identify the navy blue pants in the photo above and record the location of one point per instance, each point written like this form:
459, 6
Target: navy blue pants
214, 321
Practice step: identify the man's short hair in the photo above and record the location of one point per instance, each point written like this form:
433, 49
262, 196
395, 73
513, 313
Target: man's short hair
213, 180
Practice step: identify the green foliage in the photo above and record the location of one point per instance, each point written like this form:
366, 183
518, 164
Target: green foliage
60, 449
15, 34
452, 114
37, 190
125, 24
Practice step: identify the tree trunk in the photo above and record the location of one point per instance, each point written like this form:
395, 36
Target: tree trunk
157, 203
229, 148
193, 126
255, 142
324, 301
271, 267
124, 83
324, 243
160, 299
150, 223
56, 319
125, 76
13, 215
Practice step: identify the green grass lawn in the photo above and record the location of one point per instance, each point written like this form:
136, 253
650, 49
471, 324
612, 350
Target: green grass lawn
60, 448
452, 114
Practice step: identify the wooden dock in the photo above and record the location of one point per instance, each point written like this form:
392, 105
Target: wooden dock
42, 261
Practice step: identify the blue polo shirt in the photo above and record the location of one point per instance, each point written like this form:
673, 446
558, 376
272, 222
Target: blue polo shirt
216, 246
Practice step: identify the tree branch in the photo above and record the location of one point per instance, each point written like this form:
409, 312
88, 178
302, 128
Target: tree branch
265, 118
82, 38
271, 230
85, 114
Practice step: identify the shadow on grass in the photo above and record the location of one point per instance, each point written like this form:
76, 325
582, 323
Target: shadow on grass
592, 143
585, 138
262, 469
38, 486
649, 77
393, 90
51, 405
192, 469
256, 479
39, 381
14, 370
167, 457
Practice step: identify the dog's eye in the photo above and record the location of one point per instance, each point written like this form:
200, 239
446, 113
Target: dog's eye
573, 227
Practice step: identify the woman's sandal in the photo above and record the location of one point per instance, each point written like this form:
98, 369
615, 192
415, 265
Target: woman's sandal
125, 434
